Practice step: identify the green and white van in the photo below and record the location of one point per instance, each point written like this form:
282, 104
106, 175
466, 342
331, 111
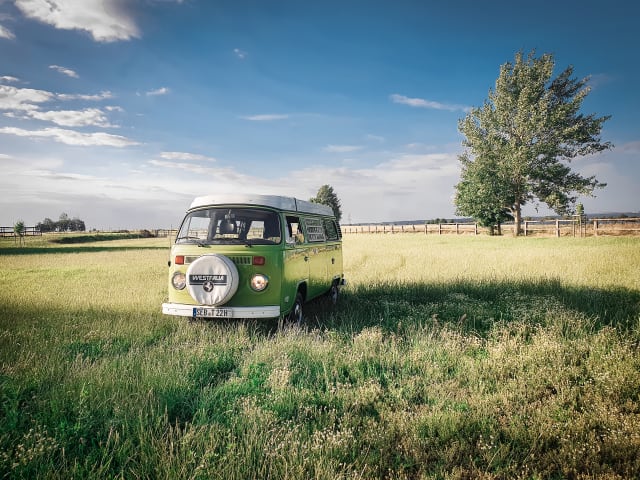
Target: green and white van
253, 256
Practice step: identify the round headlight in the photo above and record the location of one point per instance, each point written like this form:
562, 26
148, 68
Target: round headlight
179, 280
259, 282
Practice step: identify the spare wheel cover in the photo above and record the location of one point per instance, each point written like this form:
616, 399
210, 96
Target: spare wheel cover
212, 279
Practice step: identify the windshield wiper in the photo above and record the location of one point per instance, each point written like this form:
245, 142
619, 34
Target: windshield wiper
198, 240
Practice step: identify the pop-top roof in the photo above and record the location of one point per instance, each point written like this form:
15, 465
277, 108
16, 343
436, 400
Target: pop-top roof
275, 201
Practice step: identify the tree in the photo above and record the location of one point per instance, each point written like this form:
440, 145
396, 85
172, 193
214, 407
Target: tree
18, 230
326, 196
522, 139
64, 223
47, 225
481, 195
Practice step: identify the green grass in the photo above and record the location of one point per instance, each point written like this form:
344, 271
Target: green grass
447, 357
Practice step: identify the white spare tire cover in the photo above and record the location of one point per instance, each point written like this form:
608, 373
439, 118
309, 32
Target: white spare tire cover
212, 279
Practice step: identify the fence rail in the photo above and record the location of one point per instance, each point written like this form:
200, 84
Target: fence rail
555, 227
28, 231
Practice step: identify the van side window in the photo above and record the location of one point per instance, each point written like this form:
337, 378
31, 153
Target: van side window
331, 229
315, 230
294, 230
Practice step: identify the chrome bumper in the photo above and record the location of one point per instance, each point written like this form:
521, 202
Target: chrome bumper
183, 310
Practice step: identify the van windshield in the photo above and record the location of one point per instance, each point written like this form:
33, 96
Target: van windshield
230, 226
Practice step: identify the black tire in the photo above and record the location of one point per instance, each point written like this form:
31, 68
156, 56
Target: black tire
295, 316
333, 294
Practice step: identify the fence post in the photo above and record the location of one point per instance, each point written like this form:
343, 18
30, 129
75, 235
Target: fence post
475, 228
558, 228
595, 228
526, 228
457, 229
439, 229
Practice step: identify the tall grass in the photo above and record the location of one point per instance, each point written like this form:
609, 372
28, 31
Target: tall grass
447, 357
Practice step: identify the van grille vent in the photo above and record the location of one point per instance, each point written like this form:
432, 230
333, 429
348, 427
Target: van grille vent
238, 260
242, 260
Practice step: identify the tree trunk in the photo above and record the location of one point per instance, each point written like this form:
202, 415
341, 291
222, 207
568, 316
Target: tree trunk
517, 220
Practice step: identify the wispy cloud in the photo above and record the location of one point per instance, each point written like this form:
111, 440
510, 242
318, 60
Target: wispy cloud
342, 148
65, 71
157, 91
104, 20
422, 103
105, 95
241, 54
73, 118
6, 33
184, 156
267, 117
71, 137
9, 79
375, 138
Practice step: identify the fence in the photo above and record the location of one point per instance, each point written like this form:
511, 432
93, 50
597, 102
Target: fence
554, 227
28, 231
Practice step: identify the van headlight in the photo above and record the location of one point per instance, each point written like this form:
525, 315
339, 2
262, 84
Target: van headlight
179, 280
259, 282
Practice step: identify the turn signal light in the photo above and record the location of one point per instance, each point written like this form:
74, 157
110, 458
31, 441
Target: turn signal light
259, 260
179, 260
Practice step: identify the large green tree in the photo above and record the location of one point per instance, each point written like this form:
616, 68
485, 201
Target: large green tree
519, 143
326, 196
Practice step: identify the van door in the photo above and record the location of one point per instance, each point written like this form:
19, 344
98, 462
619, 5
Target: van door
296, 261
318, 257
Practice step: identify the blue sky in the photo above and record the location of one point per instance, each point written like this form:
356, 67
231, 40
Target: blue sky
120, 112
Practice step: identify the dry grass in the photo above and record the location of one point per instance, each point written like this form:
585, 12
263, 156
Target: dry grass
448, 358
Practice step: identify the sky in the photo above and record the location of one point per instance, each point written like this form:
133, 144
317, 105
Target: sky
120, 112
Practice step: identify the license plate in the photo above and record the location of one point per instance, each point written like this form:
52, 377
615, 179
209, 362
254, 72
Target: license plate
212, 312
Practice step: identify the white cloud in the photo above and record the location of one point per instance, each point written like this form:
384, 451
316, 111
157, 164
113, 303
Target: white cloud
65, 71
630, 147
158, 91
104, 95
6, 33
375, 138
71, 137
421, 103
241, 54
9, 79
104, 20
267, 117
342, 148
22, 99
186, 156
73, 118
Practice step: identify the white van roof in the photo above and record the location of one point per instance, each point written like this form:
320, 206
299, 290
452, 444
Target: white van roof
275, 201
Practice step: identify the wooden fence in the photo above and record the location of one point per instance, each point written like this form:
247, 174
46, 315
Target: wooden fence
554, 227
28, 231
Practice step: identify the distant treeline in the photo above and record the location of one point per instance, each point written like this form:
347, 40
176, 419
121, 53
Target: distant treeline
64, 224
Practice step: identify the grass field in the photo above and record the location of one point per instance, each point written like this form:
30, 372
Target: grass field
446, 358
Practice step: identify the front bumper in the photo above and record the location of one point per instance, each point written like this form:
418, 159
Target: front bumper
183, 310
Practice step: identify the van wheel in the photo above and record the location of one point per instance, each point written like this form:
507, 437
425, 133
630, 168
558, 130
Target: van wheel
295, 316
334, 294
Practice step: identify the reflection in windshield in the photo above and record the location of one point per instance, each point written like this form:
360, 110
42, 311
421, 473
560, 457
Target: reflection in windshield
219, 225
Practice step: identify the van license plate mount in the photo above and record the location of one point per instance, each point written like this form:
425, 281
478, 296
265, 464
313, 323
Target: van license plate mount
205, 312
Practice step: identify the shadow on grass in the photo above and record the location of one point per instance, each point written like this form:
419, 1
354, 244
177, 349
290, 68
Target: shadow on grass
74, 249
475, 307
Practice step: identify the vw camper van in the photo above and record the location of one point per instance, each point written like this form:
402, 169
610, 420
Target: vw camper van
253, 256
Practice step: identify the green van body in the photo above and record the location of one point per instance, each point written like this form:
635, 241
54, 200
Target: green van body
253, 256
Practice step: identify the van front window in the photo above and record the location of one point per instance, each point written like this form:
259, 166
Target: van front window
231, 226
